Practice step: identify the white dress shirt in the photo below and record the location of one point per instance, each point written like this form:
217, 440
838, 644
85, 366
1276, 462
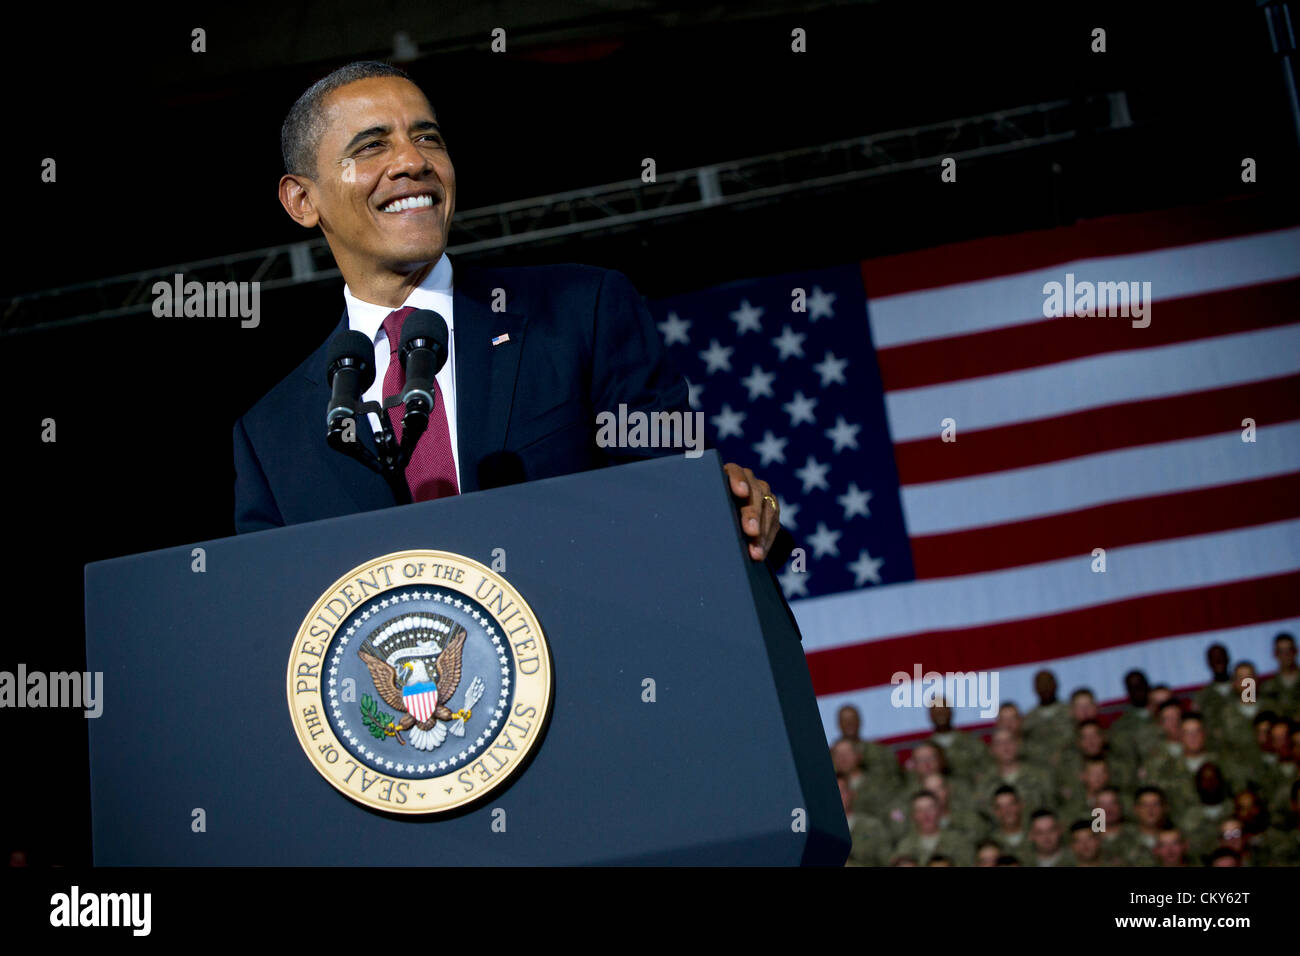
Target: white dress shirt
434, 293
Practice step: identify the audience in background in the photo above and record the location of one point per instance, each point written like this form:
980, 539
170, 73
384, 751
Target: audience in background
1209, 782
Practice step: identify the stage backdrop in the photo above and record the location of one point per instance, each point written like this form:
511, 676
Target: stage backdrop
1073, 432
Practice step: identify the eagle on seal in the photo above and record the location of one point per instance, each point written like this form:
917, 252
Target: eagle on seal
424, 696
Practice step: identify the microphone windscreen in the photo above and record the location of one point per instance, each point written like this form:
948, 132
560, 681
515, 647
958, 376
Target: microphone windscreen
426, 324
352, 345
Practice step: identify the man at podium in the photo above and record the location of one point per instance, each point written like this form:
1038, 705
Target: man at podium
534, 354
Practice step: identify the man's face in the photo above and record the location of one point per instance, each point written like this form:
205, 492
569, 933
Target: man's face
941, 717
1247, 807
1083, 708
925, 760
850, 722
1193, 737
1091, 741
1242, 673
844, 757
1045, 834
1170, 848
987, 856
1108, 800
381, 142
1095, 776
1005, 747
1137, 688
937, 785
1086, 845
1280, 738
1045, 686
1009, 719
1209, 782
925, 814
1264, 735
1158, 698
1171, 723
1231, 835
1149, 810
1284, 651
1217, 658
1006, 806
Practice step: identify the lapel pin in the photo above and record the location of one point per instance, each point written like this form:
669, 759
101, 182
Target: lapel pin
504, 337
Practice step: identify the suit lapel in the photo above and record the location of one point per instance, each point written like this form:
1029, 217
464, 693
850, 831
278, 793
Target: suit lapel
485, 373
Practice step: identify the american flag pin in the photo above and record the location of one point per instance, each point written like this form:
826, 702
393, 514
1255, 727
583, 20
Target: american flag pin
504, 337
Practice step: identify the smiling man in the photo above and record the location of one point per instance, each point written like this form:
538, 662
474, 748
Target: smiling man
534, 355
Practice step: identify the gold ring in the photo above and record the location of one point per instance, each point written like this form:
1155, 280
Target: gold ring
772, 501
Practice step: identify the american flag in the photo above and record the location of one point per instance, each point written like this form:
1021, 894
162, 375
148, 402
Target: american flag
1071, 434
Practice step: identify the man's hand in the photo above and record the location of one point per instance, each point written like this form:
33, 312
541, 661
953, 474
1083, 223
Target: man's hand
760, 519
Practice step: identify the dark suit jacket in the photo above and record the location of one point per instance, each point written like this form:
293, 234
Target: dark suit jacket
581, 341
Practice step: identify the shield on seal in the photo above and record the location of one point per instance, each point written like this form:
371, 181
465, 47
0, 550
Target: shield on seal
420, 699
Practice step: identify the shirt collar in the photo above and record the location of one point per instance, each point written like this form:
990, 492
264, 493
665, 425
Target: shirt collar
433, 293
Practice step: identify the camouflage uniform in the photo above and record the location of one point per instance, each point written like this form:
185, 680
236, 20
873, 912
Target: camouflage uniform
1125, 847
1047, 731
1033, 785
1200, 826
947, 843
1212, 697
965, 755
1133, 734
1281, 698
871, 841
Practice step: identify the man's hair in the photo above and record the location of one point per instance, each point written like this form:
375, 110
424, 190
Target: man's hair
1283, 636
1005, 788
1040, 813
302, 130
1082, 692
1143, 791
1078, 825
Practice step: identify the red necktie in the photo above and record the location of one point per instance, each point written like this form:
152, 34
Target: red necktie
431, 472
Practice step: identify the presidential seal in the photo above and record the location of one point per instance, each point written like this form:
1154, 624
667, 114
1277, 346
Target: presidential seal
419, 682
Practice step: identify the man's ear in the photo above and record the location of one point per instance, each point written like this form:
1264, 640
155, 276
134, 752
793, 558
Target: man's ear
297, 200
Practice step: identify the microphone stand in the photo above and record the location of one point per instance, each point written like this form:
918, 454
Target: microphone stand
393, 458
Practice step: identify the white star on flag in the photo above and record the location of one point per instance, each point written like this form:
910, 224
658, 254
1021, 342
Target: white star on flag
866, 568
789, 343
794, 583
819, 304
746, 318
825, 541
759, 383
674, 329
717, 357
771, 448
800, 409
813, 475
727, 422
788, 510
843, 434
831, 369
855, 502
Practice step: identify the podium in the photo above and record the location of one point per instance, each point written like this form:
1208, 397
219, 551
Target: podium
683, 727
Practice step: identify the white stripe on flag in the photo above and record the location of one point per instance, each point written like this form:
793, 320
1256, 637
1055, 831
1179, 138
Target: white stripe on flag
877, 614
1112, 378
1007, 301
1089, 480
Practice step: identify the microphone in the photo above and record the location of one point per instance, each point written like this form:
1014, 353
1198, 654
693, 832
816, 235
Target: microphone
423, 352
349, 371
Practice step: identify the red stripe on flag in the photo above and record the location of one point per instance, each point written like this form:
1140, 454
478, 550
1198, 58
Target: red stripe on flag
1096, 430
1107, 236
1030, 345
1009, 643
1113, 525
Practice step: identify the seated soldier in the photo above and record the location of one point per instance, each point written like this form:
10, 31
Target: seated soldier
1169, 718
1233, 730
1281, 692
965, 753
1090, 742
1171, 848
957, 815
927, 839
1151, 813
987, 853
1085, 844
1199, 823
1093, 778
878, 761
1279, 773
1008, 770
871, 842
1176, 777
1045, 840
1134, 732
1267, 845
1010, 831
1047, 724
1120, 843
1217, 692
926, 758
1232, 836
